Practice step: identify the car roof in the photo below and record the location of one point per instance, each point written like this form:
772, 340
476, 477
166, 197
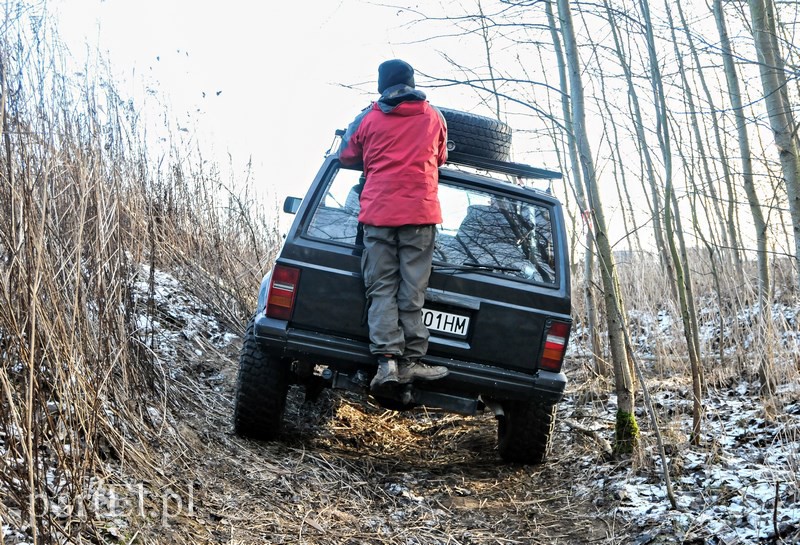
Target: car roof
488, 182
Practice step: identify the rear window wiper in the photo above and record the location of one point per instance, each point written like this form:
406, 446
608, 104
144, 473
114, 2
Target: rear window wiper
468, 266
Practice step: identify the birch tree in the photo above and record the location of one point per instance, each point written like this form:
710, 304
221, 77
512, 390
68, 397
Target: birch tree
588, 258
776, 99
627, 429
682, 283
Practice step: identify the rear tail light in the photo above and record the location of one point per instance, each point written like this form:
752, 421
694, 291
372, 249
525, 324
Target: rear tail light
555, 345
282, 292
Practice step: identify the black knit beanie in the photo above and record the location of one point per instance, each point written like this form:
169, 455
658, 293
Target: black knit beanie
394, 72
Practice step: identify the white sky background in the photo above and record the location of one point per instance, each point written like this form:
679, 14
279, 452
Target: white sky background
282, 69
290, 73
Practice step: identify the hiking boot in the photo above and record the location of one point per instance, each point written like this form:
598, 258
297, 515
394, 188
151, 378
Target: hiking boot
387, 373
411, 370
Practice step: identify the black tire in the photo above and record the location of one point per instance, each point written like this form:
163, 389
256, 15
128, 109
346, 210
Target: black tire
261, 389
476, 135
524, 433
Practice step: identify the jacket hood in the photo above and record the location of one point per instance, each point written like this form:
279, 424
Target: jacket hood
396, 95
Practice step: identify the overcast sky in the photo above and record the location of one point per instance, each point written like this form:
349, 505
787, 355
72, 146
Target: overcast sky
270, 79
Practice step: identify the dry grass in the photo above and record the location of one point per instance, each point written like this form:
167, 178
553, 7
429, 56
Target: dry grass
91, 406
733, 338
346, 472
83, 204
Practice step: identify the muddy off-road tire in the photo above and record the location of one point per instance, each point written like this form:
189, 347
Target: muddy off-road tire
476, 135
261, 389
525, 431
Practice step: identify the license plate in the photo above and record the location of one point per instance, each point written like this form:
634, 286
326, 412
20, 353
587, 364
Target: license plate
444, 322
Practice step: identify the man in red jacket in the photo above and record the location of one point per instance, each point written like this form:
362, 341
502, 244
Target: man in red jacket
400, 140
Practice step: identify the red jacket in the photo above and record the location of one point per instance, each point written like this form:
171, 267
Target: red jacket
401, 143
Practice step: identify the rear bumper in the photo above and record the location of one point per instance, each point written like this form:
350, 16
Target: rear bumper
466, 378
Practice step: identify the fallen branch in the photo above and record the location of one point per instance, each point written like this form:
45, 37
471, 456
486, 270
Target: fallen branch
598, 438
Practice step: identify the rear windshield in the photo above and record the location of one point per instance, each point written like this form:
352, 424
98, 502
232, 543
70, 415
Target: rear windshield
496, 233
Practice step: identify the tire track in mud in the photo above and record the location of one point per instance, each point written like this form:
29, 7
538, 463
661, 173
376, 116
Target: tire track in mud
348, 472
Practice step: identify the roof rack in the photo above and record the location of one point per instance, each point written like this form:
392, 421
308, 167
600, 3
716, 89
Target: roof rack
515, 169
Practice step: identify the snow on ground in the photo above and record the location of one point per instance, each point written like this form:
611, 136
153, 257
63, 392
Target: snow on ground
165, 319
726, 487
748, 458
738, 486
176, 314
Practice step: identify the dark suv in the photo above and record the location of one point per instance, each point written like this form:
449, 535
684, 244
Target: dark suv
497, 305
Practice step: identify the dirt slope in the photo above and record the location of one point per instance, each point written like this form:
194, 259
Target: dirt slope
349, 472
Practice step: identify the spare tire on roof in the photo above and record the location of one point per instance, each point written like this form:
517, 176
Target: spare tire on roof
471, 134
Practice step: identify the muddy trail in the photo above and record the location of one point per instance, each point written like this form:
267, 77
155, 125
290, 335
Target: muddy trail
349, 472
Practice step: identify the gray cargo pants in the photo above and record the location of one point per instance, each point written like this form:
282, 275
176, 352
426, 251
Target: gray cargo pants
396, 266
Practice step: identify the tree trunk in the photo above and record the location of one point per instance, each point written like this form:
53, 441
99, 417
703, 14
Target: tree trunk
588, 269
732, 222
644, 149
627, 430
773, 81
618, 165
712, 257
760, 226
694, 329
681, 284
728, 231
735, 96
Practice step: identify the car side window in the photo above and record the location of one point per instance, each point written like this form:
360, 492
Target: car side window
336, 215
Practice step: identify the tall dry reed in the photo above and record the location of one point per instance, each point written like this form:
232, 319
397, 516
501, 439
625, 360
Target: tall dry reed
84, 203
735, 335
